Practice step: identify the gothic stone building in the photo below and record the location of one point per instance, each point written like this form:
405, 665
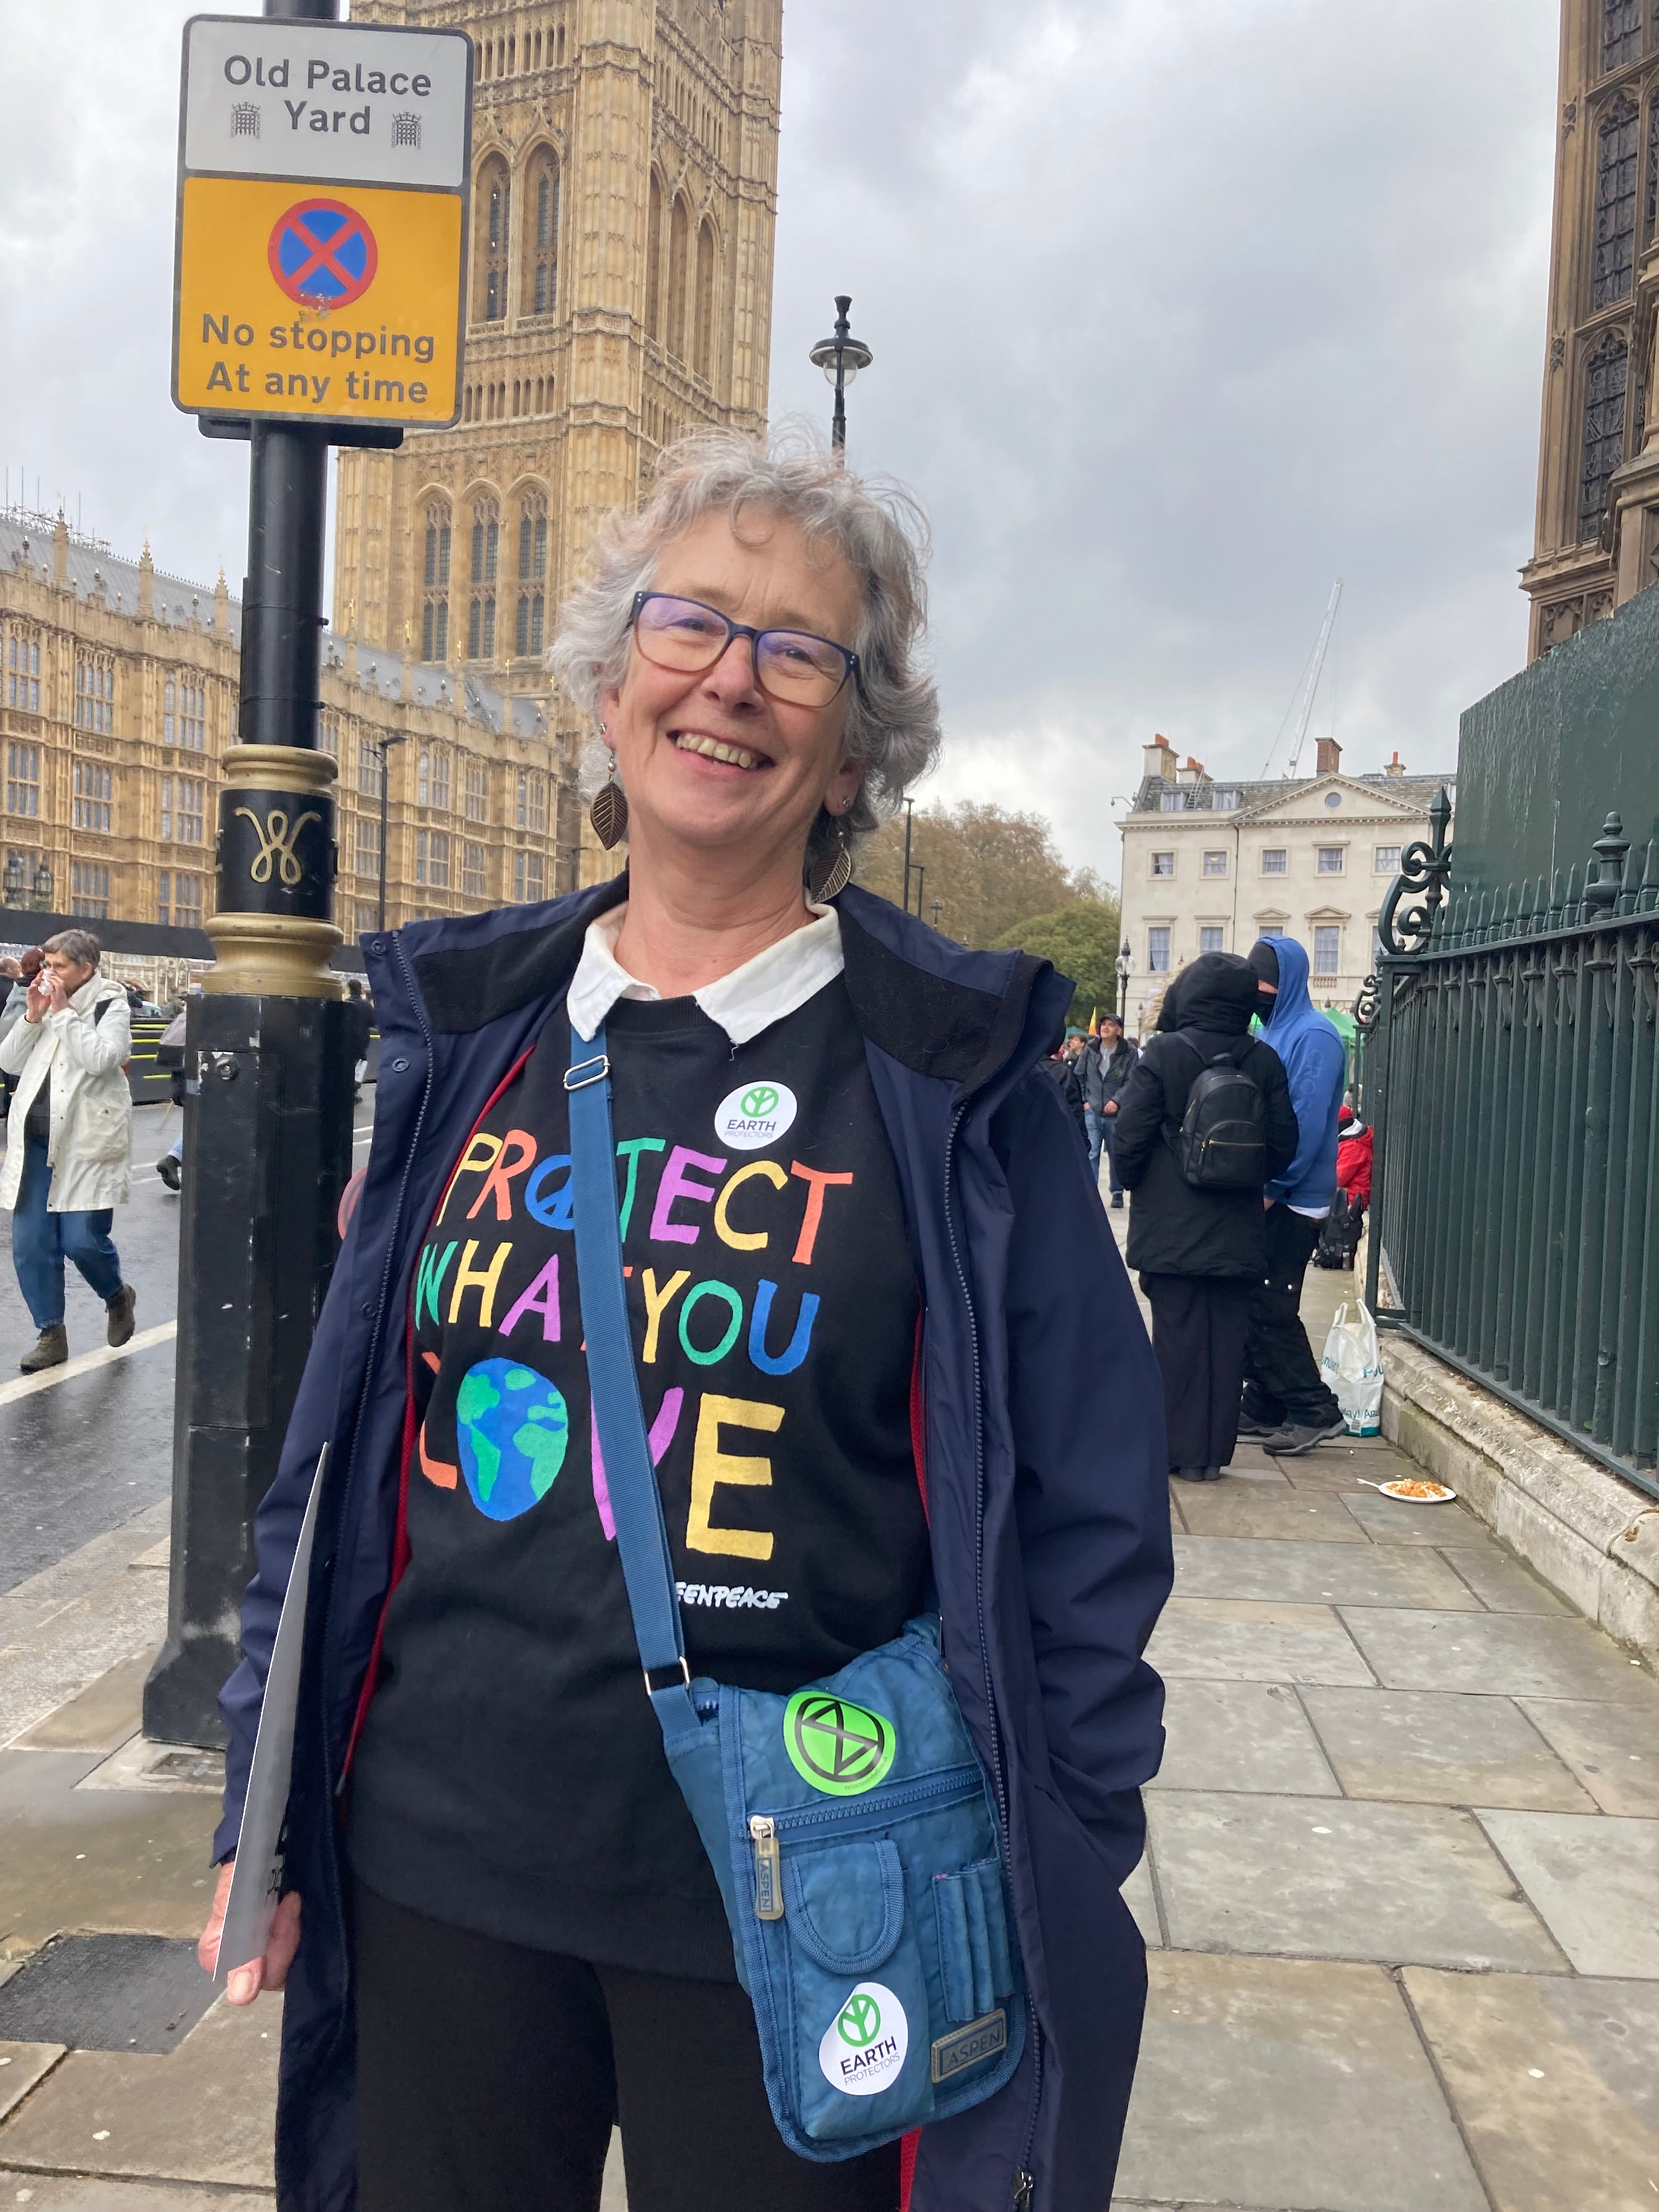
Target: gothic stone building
1597, 537
623, 201
623, 198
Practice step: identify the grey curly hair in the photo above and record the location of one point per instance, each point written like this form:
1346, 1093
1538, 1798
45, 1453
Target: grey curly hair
877, 528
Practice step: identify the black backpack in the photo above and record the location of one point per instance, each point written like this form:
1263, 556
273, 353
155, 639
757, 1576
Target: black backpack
1221, 1143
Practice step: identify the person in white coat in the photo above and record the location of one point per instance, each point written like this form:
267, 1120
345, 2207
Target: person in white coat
69, 1149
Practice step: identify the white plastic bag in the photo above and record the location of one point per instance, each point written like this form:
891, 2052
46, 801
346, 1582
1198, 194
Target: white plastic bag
1353, 1370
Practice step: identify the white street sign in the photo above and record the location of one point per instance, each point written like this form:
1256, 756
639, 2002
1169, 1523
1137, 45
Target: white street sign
334, 102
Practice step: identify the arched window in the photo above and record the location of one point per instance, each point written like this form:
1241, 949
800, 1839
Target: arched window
1622, 32
1615, 205
541, 240
490, 243
486, 553
530, 628
434, 612
679, 238
1606, 376
653, 260
703, 353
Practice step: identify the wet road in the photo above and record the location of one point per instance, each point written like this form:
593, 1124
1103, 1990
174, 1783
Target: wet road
83, 1456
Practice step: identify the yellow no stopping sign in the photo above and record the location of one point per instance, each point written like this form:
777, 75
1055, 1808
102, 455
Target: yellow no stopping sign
322, 248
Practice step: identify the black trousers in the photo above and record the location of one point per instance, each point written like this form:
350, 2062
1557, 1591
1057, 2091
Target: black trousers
1281, 1375
1199, 1323
490, 2076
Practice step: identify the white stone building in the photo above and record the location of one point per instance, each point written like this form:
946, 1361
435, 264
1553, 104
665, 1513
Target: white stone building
1209, 864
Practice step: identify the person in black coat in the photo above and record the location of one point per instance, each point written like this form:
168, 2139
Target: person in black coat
1201, 1253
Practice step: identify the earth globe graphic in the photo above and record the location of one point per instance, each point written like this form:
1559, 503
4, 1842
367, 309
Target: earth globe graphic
512, 1428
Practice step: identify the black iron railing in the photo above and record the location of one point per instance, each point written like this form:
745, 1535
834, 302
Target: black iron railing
1513, 1082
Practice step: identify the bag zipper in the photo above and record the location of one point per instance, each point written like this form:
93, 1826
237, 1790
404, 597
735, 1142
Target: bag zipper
1025, 2182
766, 1831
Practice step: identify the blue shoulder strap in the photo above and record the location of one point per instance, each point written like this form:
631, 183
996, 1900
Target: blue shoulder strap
635, 1505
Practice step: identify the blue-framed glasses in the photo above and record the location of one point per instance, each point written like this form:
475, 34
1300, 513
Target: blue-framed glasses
791, 665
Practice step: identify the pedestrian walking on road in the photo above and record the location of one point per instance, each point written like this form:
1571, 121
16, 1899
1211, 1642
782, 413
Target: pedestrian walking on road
1286, 1406
15, 977
1202, 1245
1061, 1068
68, 1155
1107, 1063
886, 1349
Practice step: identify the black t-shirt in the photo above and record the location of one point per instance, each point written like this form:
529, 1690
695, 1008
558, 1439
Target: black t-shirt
511, 1778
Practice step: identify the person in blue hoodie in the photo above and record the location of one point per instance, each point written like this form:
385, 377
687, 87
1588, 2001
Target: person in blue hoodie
1286, 1406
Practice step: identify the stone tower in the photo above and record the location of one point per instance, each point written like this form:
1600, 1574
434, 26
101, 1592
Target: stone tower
624, 167
1597, 535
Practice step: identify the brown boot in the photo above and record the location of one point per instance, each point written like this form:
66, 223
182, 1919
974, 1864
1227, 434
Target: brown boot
120, 1311
51, 1351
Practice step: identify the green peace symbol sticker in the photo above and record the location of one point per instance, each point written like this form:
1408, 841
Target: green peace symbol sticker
838, 1747
859, 2020
759, 1102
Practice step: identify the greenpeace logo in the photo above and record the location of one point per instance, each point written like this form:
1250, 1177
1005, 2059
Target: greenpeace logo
731, 1597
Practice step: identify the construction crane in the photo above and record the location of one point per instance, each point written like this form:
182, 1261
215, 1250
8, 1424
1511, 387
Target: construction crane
1300, 711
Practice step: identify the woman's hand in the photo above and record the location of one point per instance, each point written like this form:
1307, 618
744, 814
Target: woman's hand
269, 1972
39, 1002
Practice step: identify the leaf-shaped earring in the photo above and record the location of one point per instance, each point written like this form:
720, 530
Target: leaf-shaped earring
835, 870
608, 813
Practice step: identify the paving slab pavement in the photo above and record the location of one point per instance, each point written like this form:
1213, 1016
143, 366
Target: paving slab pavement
1411, 1803
1300, 2084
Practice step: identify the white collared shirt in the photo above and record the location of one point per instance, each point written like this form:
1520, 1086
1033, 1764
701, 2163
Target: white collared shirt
745, 1002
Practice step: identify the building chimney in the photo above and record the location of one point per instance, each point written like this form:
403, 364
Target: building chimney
1394, 767
1193, 773
1159, 758
1329, 757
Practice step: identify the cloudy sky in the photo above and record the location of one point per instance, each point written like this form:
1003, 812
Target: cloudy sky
1181, 309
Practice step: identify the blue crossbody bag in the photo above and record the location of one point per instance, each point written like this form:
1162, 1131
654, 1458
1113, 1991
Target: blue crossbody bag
850, 1826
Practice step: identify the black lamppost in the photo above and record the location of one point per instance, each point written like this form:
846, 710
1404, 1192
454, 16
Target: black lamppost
841, 357
909, 806
938, 906
1124, 964
43, 888
17, 871
383, 746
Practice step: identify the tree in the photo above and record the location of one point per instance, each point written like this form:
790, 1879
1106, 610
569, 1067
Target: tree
985, 868
1081, 940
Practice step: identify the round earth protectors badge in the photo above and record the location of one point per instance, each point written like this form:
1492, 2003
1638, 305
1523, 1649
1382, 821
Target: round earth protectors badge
835, 1745
754, 1115
864, 2046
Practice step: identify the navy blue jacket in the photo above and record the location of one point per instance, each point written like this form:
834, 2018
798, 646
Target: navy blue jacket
1045, 1466
1317, 1068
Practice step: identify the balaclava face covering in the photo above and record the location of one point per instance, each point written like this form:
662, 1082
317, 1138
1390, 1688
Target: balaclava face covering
1265, 962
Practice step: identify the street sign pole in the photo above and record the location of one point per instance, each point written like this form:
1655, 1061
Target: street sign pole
269, 1056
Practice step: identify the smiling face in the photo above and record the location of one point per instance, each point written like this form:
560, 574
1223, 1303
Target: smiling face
710, 761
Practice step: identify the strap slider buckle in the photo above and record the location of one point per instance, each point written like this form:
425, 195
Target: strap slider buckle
651, 1687
588, 1071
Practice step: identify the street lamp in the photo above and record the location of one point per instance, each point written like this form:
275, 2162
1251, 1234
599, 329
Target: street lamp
909, 806
1124, 964
43, 888
841, 357
938, 905
383, 746
17, 871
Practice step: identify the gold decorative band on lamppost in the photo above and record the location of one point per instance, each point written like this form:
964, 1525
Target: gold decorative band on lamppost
277, 850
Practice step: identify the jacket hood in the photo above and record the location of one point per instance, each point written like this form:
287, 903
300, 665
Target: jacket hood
1216, 993
1292, 1009
937, 1008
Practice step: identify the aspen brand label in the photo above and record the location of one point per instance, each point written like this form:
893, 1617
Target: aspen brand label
755, 1114
980, 2038
864, 2047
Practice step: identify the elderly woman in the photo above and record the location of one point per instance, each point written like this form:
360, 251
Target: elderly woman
70, 1140
879, 1326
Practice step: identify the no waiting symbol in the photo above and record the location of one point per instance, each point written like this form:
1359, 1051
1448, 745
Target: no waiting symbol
323, 254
